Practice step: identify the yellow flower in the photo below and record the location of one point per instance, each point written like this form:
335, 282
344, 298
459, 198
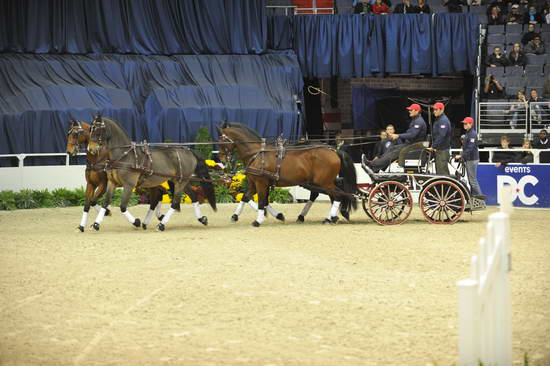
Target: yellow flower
239, 197
186, 199
165, 185
166, 199
211, 163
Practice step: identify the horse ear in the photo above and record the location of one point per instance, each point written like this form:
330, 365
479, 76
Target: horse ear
224, 124
73, 121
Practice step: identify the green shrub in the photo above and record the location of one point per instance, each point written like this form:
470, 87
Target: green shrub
7, 200
134, 198
280, 195
63, 197
24, 199
204, 151
223, 193
43, 198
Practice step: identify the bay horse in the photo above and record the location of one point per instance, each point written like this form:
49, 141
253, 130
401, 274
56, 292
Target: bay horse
312, 166
131, 165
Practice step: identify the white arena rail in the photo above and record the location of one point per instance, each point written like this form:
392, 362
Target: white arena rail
485, 322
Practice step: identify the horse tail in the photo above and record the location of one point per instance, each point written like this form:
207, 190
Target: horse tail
201, 170
349, 184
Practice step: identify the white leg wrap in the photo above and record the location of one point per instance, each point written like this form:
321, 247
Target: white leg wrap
97, 207
148, 217
197, 209
271, 211
100, 216
129, 216
167, 216
84, 219
239, 208
253, 204
157, 209
261, 216
334, 209
306, 208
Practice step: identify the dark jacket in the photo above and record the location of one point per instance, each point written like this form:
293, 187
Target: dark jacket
403, 9
470, 150
527, 18
384, 145
493, 60
424, 9
538, 144
362, 8
519, 60
441, 133
506, 157
527, 37
417, 131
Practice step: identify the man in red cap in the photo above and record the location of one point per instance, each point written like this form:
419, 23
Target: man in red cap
470, 156
441, 139
413, 139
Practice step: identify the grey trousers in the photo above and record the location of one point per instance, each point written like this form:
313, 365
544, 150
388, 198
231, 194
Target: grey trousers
403, 153
471, 171
442, 162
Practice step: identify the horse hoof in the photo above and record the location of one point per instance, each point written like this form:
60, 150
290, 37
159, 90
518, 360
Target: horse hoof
204, 220
144, 227
280, 217
256, 223
300, 219
81, 228
95, 226
334, 219
161, 217
346, 215
161, 227
234, 218
137, 223
108, 212
327, 221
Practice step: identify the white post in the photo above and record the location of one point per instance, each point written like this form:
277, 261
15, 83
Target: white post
468, 332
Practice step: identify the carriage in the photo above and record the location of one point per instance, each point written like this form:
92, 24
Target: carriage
388, 199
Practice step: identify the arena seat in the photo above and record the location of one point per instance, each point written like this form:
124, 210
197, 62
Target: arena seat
512, 38
495, 29
533, 71
514, 71
496, 71
514, 28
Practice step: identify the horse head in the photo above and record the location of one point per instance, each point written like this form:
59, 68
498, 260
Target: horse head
75, 136
99, 135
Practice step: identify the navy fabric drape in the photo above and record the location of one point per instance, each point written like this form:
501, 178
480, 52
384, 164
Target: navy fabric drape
362, 45
133, 26
157, 98
364, 111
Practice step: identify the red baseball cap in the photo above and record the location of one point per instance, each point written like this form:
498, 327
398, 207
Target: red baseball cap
438, 105
414, 107
468, 120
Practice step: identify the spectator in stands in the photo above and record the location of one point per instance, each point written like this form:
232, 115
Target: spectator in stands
497, 58
505, 157
532, 16
380, 7
527, 37
495, 17
546, 89
526, 157
362, 7
535, 46
470, 155
518, 109
453, 6
405, 8
379, 147
517, 57
541, 141
423, 8
546, 14
515, 16
501, 4
536, 109
493, 89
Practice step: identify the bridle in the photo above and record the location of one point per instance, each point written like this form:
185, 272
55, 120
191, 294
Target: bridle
97, 132
228, 151
76, 130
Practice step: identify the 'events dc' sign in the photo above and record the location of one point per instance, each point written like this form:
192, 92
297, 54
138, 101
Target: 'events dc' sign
530, 183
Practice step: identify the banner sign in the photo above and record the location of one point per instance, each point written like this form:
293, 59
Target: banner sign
530, 183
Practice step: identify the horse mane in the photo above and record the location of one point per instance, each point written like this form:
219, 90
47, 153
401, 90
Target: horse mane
247, 130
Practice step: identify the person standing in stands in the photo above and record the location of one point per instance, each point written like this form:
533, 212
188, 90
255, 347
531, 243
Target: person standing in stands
535, 46
470, 156
495, 17
362, 7
423, 8
441, 135
541, 141
405, 8
516, 56
497, 58
380, 7
413, 139
527, 37
493, 89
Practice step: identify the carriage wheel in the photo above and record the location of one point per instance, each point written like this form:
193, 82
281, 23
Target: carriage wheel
366, 207
442, 202
390, 203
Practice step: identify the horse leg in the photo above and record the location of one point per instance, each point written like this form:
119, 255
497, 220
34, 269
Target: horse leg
108, 197
159, 205
124, 199
333, 212
99, 191
176, 202
196, 206
85, 212
155, 198
273, 212
250, 191
312, 197
263, 189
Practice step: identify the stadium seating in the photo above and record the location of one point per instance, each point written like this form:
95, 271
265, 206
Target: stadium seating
514, 28
536, 59
514, 71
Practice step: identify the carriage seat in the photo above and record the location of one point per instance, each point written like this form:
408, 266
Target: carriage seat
384, 177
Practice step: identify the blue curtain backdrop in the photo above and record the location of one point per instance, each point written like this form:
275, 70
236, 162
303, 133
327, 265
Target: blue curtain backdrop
157, 98
364, 111
144, 27
362, 45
